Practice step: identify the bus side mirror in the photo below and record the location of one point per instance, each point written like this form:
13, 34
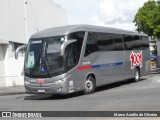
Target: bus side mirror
18, 49
65, 44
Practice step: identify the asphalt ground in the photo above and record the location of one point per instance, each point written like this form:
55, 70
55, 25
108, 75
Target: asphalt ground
123, 96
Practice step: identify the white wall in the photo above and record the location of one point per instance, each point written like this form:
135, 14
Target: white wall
2, 68
4, 20
13, 68
41, 14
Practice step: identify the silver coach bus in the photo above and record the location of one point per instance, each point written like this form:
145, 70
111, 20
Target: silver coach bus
75, 58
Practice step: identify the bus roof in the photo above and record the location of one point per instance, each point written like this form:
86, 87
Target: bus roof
64, 30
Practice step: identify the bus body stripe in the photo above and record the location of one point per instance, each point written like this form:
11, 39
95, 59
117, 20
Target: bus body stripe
84, 67
99, 66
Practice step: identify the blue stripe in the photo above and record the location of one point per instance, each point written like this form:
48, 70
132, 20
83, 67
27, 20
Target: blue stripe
118, 63
107, 65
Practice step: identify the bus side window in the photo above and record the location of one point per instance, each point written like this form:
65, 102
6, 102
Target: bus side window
79, 36
118, 43
128, 42
144, 42
105, 41
134, 42
91, 44
70, 56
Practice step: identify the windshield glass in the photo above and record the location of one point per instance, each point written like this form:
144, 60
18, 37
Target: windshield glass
43, 57
54, 61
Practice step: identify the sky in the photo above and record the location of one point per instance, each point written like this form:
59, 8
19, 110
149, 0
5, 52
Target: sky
109, 13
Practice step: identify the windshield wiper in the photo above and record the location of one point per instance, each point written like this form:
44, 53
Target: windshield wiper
44, 58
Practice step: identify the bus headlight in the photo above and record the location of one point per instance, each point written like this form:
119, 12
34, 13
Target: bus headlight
59, 82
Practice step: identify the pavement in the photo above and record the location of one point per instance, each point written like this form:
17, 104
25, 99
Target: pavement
12, 91
21, 90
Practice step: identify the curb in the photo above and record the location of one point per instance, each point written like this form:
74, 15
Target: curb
155, 71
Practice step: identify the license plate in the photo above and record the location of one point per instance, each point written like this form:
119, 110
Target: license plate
41, 91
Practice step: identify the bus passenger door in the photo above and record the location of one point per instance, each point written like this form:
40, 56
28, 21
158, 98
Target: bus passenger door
74, 52
70, 68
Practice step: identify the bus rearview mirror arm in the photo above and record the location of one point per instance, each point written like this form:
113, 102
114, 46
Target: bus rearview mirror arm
18, 49
65, 44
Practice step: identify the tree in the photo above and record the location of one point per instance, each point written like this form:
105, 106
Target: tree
147, 19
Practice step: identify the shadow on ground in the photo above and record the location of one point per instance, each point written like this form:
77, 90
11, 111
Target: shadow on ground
98, 89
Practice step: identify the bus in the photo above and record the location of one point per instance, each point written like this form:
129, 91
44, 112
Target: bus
73, 58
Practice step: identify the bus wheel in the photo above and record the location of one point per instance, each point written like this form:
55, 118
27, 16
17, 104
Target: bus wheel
136, 75
90, 85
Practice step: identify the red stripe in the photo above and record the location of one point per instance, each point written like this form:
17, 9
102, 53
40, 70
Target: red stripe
84, 67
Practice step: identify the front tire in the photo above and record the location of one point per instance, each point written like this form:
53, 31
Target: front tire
90, 85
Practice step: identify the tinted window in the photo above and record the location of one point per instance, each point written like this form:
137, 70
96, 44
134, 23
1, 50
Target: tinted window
118, 43
99, 42
91, 44
130, 42
144, 43
114, 42
70, 56
135, 43
73, 51
105, 41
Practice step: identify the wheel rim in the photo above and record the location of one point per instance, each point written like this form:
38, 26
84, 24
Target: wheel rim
136, 75
88, 85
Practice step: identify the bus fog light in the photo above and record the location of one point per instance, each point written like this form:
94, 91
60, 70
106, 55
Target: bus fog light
59, 89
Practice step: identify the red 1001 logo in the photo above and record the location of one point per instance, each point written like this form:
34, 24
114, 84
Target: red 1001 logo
136, 59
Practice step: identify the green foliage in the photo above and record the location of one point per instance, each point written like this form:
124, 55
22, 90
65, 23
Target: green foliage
147, 19
154, 52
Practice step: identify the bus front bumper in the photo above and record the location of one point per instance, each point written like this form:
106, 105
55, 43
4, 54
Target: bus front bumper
47, 89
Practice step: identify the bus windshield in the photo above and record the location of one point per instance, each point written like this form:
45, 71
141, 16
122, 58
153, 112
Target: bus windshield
43, 57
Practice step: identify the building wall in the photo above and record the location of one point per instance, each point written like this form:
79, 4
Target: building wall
4, 20
13, 68
41, 14
2, 68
